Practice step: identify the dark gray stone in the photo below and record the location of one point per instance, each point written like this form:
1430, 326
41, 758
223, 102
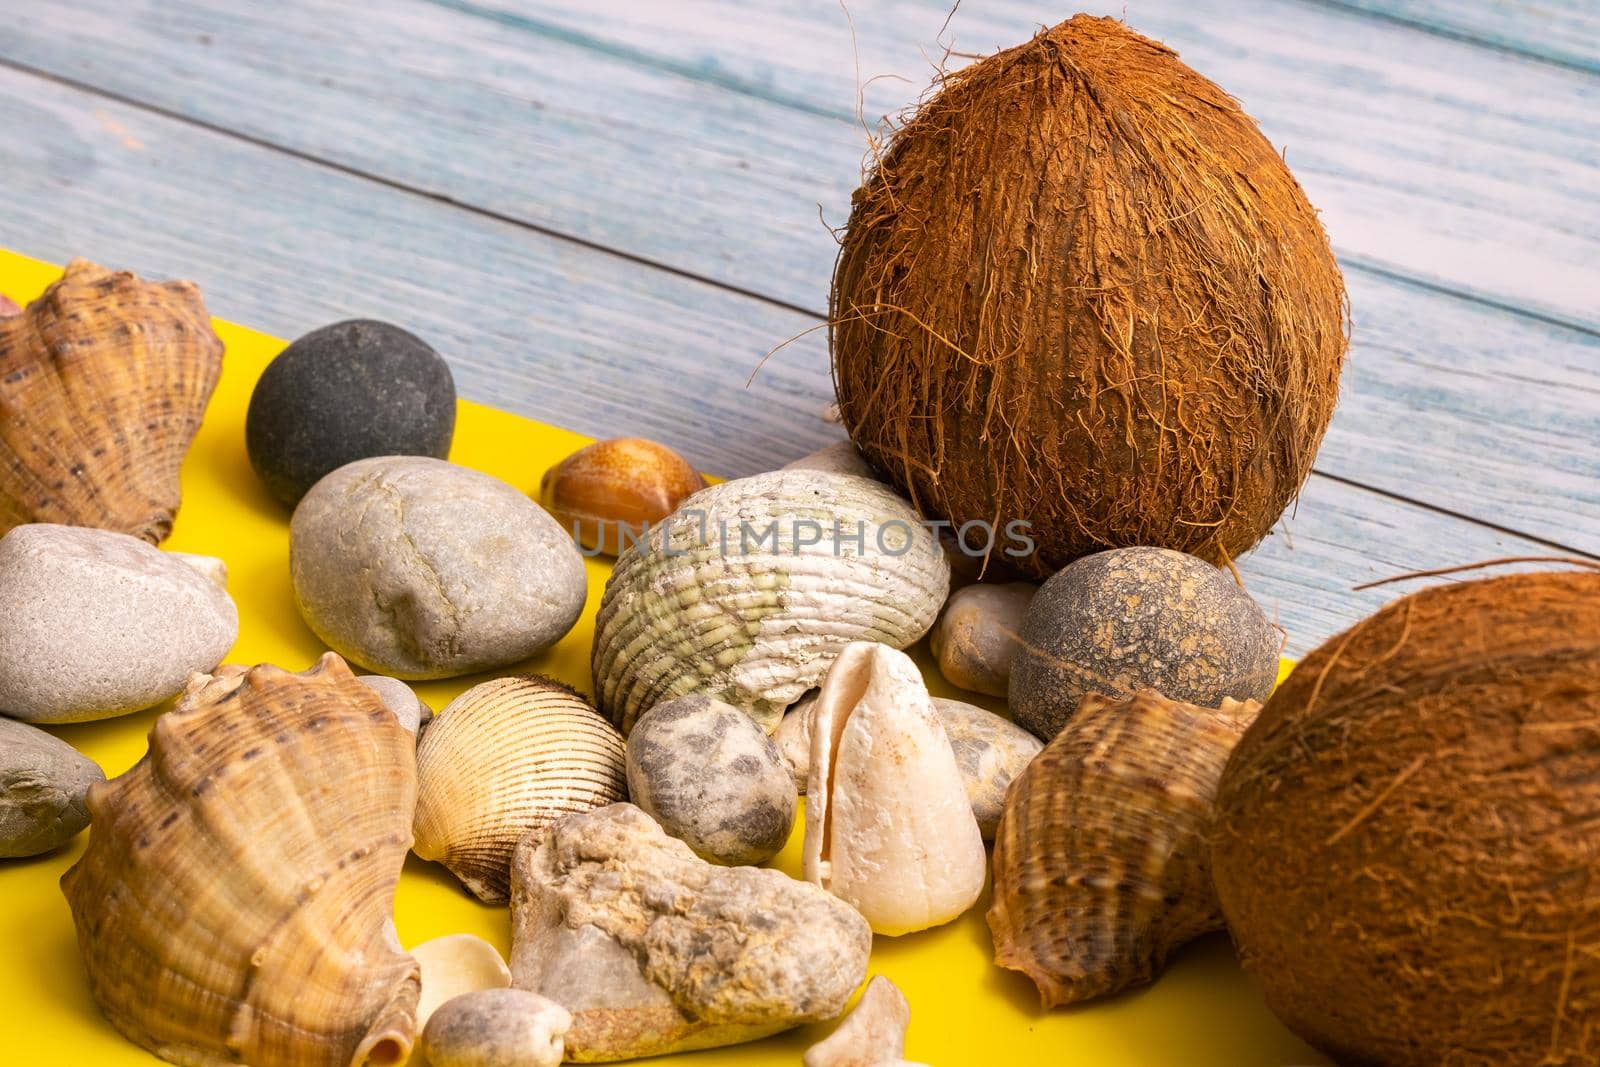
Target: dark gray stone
349, 391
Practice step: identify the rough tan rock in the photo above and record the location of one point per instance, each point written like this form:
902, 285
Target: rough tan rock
873, 1034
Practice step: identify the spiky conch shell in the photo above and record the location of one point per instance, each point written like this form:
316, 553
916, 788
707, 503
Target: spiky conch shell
1101, 866
103, 383
1081, 290
755, 621
235, 902
503, 759
1406, 847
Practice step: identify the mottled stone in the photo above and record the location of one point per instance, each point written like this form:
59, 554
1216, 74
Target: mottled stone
43, 783
95, 623
399, 698
1131, 619
654, 950
496, 1028
975, 638
705, 771
349, 391
418, 568
874, 1032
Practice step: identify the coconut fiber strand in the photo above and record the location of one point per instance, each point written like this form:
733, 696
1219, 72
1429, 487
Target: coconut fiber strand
1080, 289
1408, 842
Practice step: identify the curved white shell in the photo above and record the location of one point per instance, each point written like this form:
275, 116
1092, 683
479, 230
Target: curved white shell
889, 829
453, 966
749, 590
505, 758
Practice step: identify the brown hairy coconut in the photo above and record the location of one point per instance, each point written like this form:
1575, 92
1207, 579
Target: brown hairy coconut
1080, 289
1408, 838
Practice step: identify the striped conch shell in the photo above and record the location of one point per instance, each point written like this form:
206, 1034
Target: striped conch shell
1101, 863
103, 382
235, 903
749, 590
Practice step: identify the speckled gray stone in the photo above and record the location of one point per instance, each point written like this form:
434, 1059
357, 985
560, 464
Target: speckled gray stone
1139, 618
496, 1028
705, 771
417, 568
399, 698
43, 783
95, 624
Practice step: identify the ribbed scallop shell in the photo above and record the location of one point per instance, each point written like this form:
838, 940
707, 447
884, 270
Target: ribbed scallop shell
103, 382
1101, 863
716, 603
505, 758
235, 903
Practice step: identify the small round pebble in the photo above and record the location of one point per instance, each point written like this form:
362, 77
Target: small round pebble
975, 639
990, 752
95, 623
349, 391
497, 1028
400, 699
1139, 618
44, 783
705, 771
417, 568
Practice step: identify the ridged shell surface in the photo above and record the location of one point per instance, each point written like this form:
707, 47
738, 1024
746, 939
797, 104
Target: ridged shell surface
749, 590
235, 903
1101, 863
504, 758
103, 382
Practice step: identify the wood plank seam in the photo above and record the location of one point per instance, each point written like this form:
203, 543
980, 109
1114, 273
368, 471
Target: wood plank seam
1505, 47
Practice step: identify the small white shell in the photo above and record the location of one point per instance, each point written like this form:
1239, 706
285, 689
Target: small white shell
454, 965
889, 829
874, 1033
504, 758
748, 591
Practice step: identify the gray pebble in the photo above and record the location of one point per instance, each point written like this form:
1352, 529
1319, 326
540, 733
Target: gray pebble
1139, 618
497, 1028
95, 623
707, 773
417, 568
43, 785
399, 698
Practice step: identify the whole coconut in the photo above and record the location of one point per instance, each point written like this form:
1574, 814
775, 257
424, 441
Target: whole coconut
1406, 846
1081, 290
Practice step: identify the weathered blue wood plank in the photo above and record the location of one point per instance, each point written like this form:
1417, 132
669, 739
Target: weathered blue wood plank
540, 325
1557, 31
1457, 165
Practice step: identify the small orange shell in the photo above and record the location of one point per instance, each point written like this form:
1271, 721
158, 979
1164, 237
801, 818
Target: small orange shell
1101, 862
103, 382
615, 487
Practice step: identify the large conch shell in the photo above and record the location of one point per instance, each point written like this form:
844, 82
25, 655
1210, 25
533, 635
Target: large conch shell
889, 828
235, 902
1101, 862
503, 759
103, 381
748, 591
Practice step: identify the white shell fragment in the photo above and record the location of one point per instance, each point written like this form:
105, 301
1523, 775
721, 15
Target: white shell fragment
454, 965
213, 569
975, 638
889, 828
873, 1033
497, 1028
748, 591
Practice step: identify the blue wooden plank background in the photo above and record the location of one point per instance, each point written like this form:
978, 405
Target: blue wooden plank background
606, 212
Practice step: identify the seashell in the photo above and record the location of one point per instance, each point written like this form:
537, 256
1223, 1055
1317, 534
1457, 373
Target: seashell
505, 758
1101, 862
498, 1028
103, 381
889, 829
655, 950
990, 751
453, 966
235, 901
748, 591
873, 1033
8, 307
840, 457
607, 494
975, 638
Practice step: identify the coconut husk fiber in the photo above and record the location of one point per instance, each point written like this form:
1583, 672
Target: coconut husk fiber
1407, 848
1080, 289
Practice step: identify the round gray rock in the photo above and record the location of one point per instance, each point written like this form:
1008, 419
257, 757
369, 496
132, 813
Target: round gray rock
95, 623
497, 1028
417, 568
44, 783
707, 773
1139, 618
400, 699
